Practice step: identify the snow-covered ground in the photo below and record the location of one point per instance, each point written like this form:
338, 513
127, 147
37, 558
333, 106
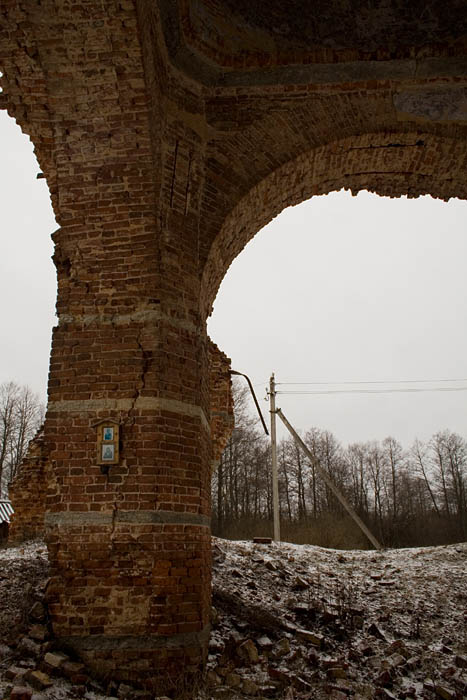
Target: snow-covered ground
23, 571
298, 621
390, 623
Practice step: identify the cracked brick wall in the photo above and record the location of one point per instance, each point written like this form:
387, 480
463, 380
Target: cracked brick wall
28, 493
169, 133
221, 402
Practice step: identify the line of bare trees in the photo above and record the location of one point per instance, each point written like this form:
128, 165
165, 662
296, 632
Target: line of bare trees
407, 497
21, 414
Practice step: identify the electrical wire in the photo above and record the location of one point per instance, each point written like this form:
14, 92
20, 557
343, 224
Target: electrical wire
379, 381
408, 390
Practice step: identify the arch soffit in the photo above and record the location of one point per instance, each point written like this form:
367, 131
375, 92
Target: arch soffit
391, 165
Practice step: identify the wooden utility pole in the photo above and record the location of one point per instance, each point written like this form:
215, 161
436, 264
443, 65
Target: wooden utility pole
329, 481
275, 479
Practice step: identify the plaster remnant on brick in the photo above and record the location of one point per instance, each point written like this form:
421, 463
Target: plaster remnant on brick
438, 105
145, 316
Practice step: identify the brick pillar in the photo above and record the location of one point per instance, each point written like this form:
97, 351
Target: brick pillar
129, 549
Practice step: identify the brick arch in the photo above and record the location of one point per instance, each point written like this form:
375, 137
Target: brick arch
391, 164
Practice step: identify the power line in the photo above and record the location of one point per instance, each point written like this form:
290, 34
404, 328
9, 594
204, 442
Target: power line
408, 390
378, 381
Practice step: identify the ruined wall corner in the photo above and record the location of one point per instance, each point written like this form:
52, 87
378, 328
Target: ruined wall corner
222, 413
27, 493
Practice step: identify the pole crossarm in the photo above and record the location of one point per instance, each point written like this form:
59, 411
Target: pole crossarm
329, 482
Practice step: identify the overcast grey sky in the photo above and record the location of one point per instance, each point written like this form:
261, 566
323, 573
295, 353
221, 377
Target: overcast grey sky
27, 274
337, 289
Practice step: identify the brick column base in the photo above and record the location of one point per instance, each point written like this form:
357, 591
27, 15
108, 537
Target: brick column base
132, 598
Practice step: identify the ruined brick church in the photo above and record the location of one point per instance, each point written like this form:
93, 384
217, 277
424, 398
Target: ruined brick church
170, 132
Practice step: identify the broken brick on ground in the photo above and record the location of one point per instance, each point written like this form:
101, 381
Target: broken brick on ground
288, 621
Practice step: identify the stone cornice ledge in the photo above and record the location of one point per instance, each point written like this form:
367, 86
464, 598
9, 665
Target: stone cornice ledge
134, 517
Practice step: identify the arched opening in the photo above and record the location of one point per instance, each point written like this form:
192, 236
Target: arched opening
343, 288
27, 282
393, 165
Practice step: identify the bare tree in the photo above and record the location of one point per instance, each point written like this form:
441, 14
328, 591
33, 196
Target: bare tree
439, 459
420, 459
356, 458
240, 483
293, 467
412, 497
314, 443
376, 462
456, 451
449, 455
394, 459
21, 414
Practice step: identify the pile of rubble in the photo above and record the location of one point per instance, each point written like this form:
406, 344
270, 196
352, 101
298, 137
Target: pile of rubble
31, 665
304, 622
288, 622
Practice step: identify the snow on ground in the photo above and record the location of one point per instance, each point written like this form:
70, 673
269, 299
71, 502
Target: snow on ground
23, 579
392, 622
300, 622
23, 571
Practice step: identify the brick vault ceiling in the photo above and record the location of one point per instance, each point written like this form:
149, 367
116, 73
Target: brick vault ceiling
242, 32
365, 24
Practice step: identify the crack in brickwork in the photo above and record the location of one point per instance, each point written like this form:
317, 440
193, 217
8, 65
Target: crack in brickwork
417, 144
139, 388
